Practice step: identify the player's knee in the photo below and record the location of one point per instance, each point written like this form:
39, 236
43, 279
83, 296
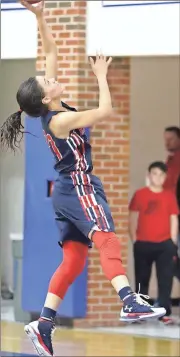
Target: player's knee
109, 242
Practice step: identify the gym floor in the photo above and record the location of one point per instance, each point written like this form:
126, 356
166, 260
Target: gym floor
97, 342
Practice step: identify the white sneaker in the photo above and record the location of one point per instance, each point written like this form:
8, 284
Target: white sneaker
40, 334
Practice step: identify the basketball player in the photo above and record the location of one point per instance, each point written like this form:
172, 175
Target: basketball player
79, 201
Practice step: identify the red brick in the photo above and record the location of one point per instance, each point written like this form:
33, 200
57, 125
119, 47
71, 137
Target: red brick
100, 308
94, 269
76, 11
64, 34
102, 292
106, 285
79, 4
57, 12
111, 178
59, 43
79, 50
64, 50
56, 28
110, 300
94, 316
74, 42
78, 34
51, 20
93, 285
109, 316
97, 277
94, 300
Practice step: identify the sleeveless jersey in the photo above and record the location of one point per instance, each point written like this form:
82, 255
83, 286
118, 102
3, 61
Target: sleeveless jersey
72, 154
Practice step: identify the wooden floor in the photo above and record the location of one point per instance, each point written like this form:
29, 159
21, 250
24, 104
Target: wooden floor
87, 343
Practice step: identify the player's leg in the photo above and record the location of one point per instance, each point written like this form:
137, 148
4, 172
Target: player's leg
74, 260
93, 218
143, 260
134, 307
87, 208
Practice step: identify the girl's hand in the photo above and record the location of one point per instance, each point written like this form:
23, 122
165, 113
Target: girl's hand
37, 10
100, 65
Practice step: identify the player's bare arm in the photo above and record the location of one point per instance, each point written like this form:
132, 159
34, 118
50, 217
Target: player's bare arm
62, 123
48, 42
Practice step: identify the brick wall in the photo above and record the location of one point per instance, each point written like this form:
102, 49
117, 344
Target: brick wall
110, 140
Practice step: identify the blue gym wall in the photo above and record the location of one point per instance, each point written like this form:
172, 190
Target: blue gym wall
41, 252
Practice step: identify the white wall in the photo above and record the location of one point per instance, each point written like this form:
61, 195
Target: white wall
21, 41
143, 29
12, 73
155, 97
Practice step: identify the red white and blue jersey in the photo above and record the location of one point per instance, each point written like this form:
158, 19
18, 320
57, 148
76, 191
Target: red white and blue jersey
72, 154
78, 197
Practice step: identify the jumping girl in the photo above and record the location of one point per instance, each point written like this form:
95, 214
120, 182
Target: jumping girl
82, 212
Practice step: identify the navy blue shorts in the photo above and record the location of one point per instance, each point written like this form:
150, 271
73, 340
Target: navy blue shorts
80, 205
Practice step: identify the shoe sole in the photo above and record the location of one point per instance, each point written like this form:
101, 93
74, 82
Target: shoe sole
33, 337
142, 318
168, 323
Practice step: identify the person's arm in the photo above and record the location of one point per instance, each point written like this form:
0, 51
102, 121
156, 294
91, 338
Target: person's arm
62, 123
133, 222
173, 212
133, 216
49, 45
174, 228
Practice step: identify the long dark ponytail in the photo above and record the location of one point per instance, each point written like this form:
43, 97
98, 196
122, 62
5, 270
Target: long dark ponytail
12, 132
29, 98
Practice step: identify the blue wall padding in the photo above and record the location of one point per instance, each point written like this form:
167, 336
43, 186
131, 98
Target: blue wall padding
41, 253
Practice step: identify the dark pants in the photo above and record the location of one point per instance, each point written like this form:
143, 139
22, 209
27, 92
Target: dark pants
145, 254
177, 262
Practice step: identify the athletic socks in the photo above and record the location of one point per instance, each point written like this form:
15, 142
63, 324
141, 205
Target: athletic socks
48, 314
125, 293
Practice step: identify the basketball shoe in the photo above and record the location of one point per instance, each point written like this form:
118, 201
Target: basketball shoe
40, 334
135, 308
